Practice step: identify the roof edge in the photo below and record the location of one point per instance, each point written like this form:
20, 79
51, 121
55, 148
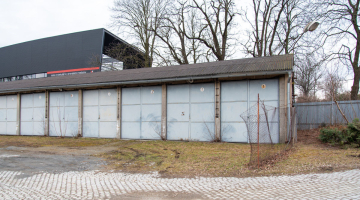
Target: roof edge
145, 81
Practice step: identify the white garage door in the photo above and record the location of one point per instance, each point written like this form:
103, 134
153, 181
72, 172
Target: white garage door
32, 114
63, 114
234, 101
237, 97
8, 108
141, 113
190, 112
100, 113
268, 90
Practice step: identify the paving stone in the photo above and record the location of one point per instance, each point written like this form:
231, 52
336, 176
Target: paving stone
99, 185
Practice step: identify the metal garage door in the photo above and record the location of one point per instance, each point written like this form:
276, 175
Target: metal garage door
268, 89
100, 113
8, 108
32, 114
190, 112
63, 114
141, 113
234, 101
237, 97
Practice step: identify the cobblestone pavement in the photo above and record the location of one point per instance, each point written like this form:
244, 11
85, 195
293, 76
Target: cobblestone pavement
100, 185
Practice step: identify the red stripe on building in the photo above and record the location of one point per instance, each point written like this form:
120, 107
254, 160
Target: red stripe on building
73, 70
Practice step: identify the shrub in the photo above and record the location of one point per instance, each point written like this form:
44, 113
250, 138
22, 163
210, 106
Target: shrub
353, 131
350, 135
331, 135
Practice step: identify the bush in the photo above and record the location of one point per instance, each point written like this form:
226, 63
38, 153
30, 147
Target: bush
353, 131
350, 135
331, 135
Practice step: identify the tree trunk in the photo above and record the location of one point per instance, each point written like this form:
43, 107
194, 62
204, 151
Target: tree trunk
355, 87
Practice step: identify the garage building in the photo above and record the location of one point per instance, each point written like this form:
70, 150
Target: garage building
187, 102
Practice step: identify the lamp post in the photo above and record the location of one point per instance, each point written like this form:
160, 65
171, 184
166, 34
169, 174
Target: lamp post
311, 26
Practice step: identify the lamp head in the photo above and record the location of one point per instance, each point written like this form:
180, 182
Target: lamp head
311, 26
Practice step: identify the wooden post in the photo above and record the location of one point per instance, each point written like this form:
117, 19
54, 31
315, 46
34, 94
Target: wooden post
258, 131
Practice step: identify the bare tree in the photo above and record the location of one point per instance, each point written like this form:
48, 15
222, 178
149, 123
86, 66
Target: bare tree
276, 27
179, 21
333, 85
95, 61
130, 57
308, 72
216, 19
264, 26
341, 19
140, 17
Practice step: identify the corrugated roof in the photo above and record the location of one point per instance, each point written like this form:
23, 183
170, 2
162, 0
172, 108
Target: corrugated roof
247, 65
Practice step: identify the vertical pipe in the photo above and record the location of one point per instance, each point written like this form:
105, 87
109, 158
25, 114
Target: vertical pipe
47, 102
18, 113
118, 119
258, 130
163, 112
80, 113
288, 108
248, 108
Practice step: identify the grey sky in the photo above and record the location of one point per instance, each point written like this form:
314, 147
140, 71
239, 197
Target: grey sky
25, 20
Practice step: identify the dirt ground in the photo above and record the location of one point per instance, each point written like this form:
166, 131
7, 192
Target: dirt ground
31, 160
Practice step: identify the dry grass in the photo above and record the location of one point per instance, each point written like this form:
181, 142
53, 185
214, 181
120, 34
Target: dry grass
309, 158
181, 158
33, 141
189, 159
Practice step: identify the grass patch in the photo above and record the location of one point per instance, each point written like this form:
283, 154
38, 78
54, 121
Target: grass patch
181, 158
309, 158
189, 159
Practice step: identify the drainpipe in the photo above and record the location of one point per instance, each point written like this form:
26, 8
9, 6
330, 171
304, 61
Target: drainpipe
288, 106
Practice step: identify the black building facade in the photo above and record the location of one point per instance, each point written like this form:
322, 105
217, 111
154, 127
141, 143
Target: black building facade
80, 52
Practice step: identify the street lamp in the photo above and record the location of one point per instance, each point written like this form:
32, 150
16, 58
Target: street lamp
311, 26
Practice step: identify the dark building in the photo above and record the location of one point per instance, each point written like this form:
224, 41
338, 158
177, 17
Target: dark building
75, 53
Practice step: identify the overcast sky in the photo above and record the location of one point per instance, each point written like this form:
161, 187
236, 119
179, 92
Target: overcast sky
25, 20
